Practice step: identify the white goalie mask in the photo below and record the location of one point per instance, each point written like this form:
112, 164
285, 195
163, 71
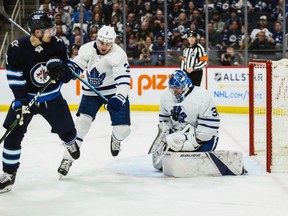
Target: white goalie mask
106, 34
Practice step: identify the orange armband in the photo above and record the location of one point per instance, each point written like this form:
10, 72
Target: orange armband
203, 58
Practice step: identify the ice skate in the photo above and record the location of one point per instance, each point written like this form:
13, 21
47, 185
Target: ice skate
115, 146
6, 182
64, 167
73, 150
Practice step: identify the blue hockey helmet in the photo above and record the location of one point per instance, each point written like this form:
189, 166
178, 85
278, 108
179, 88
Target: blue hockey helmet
40, 20
179, 84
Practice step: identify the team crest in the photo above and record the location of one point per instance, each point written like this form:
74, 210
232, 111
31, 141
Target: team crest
177, 114
94, 77
39, 74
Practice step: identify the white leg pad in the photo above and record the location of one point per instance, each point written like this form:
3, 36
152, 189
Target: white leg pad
158, 146
191, 164
83, 124
121, 132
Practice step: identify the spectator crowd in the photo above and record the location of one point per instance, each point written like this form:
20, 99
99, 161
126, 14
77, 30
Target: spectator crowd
145, 25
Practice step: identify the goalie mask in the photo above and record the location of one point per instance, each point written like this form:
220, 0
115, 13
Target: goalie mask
40, 20
179, 84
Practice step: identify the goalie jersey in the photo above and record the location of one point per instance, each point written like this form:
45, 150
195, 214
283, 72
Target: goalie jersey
197, 109
26, 68
109, 74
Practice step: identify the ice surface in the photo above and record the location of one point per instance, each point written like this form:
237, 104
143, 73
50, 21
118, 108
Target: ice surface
99, 184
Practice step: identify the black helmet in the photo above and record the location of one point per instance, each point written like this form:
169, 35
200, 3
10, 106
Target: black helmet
191, 34
40, 20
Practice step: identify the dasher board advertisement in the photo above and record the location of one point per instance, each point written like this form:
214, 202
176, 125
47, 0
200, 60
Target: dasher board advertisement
229, 87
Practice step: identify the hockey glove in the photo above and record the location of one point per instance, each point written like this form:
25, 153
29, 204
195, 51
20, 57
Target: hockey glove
191, 143
20, 109
55, 68
116, 102
176, 141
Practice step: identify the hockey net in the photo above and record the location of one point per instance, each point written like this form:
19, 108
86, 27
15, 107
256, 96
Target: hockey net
268, 112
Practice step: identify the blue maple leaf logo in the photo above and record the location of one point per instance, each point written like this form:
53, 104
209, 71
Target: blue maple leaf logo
94, 77
177, 114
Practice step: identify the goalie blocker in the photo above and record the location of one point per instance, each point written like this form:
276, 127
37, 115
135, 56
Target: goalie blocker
213, 163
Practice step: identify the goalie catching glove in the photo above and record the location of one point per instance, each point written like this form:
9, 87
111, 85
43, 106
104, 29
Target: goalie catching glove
20, 109
116, 102
183, 140
55, 68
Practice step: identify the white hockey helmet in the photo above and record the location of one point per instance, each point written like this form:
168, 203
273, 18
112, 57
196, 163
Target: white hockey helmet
106, 34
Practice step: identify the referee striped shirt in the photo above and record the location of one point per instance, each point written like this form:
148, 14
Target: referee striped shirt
191, 58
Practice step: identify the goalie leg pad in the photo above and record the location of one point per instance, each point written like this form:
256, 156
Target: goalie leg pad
213, 163
163, 131
157, 154
159, 145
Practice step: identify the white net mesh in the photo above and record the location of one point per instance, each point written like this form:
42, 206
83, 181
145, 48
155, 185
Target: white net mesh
279, 116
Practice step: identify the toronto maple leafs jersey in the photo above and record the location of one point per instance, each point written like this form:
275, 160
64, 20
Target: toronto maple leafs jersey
26, 68
197, 109
109, 74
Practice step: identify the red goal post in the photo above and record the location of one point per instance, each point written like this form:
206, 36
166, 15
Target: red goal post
268, 112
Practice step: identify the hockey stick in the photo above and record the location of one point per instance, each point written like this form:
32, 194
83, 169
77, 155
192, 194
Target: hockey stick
90, 86
3, 12
30, 104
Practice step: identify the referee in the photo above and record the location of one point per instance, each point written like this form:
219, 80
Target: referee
194, 58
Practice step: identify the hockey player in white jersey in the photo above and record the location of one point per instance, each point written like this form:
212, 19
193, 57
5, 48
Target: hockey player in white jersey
107, 70
189, 120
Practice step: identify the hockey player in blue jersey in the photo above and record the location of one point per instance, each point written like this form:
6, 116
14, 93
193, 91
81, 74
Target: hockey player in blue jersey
31, 62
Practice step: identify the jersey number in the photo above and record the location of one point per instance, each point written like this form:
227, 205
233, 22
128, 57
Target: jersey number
214, 112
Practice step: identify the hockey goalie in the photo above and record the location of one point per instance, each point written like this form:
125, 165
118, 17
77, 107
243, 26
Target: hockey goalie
188, 133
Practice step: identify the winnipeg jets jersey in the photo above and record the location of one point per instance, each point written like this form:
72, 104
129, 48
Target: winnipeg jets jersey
197, 109
26, 68
108, 74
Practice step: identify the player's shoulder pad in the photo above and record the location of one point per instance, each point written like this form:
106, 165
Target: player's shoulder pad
55, 41
166, 95
18, 43
117, 54
87, 48
200, 91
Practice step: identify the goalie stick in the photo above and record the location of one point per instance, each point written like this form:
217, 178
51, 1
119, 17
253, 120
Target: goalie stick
2, 11
31, 103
